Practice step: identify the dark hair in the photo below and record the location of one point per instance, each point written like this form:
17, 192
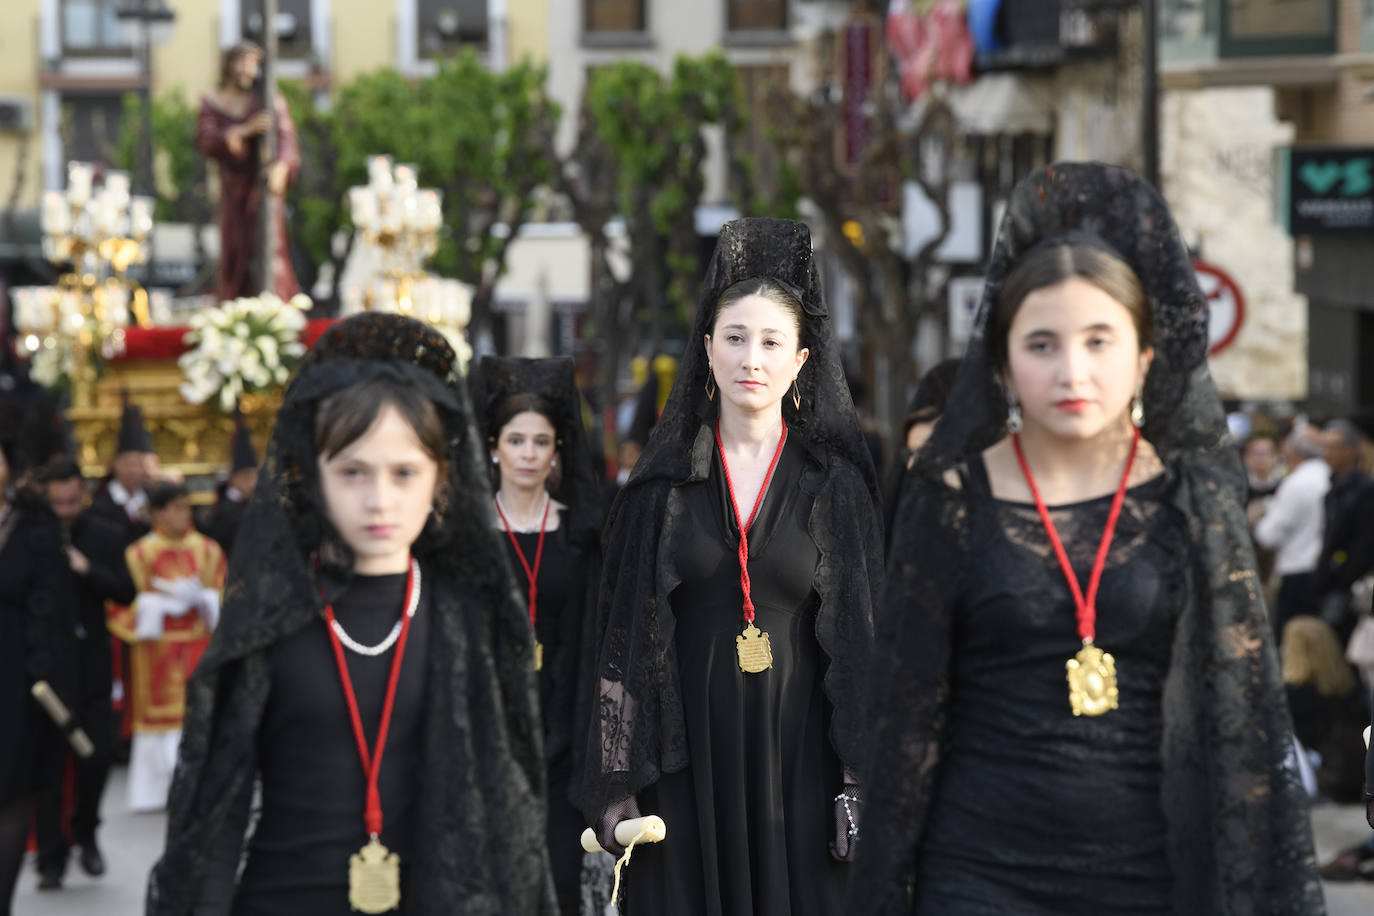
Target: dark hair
61, 468
1052, 264
778, 293
231, 57
510, 407
345, 416
932, 395
164, 492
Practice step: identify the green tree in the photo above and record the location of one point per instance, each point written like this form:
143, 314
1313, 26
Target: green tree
639, 155
179, 171
479, 137
860, 208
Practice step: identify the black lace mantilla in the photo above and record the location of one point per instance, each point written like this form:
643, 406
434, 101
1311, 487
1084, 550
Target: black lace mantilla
481, 827
1239, 840
637, 732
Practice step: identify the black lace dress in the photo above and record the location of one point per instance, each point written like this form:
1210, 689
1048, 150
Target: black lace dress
558, 628
1036, 811
750, 819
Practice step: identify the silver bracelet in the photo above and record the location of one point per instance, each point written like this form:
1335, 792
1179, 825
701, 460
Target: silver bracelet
847, 798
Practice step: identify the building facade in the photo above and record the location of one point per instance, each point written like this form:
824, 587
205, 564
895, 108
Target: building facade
1251, 89
65, 65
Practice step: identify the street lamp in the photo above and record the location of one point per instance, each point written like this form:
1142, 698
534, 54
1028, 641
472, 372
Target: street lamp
146, 23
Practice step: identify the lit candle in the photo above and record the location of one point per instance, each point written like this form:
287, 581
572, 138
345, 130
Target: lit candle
57, 216
79, 176
140, 217
117, 185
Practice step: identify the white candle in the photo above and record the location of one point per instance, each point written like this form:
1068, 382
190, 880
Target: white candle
57, 216
140, 217
117, 185
79, 183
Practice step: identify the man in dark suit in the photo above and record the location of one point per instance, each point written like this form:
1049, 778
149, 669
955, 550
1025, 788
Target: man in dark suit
122, 501
1348, 534
96, 573
223, 524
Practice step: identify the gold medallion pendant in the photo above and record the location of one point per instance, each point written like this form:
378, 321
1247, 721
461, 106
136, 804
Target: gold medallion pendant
538, 656
1092, 681
374, 879
755, 652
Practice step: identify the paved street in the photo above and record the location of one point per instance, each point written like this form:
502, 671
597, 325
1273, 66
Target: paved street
132, 841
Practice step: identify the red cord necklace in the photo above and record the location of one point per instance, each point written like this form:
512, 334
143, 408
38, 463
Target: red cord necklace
755, 652
531, 573
1092, 672
374, 873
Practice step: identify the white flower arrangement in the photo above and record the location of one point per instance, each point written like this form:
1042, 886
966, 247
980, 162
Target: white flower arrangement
53, 365
245, 345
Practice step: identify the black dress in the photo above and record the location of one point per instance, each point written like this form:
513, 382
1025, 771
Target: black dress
313, 784
1036, 811
558, 628
750, 820
31, 565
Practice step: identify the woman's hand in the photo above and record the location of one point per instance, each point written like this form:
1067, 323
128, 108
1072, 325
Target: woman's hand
624, 810
847, 806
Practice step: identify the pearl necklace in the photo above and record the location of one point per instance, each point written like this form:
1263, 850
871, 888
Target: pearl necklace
371, 651
523, 529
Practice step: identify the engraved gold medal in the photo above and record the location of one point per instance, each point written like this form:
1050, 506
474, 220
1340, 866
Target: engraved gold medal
374, 879
1092, 681
755, 652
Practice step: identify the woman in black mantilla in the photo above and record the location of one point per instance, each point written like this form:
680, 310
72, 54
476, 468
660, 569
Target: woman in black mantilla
548, 513
749, 768
1012, 769
368, 550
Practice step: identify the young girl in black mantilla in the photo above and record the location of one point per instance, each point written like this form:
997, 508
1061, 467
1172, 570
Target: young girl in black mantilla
742, 560
1077, 706
372, 672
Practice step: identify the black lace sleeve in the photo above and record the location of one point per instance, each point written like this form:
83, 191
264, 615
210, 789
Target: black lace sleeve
909, 694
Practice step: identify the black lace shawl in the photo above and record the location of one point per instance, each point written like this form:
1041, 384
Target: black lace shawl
578, 487
637, 731
1239, 836
481, 798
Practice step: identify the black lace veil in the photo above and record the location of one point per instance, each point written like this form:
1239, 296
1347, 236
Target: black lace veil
637, 732
1240, 841
481, 789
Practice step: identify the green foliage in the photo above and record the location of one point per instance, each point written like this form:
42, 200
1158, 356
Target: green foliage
177, 171
651, 123
476, 135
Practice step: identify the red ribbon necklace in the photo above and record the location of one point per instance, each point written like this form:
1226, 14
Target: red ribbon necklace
1092, 673
531, 573
372, 760
744, 527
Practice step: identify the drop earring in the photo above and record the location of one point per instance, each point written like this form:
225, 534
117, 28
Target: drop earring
1015, 423
495, 459
710, 383
796, 394
1138, 409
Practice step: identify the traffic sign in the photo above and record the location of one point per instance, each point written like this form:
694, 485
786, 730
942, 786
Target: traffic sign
1225, 304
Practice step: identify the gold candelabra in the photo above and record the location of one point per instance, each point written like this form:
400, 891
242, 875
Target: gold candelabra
100, 230
401, 222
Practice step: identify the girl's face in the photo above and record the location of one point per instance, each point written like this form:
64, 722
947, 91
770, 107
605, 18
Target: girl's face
525, 450
755, 354
378, 491
1074, 360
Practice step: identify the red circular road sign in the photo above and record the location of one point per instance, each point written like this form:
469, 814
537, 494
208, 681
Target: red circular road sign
1225, 303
